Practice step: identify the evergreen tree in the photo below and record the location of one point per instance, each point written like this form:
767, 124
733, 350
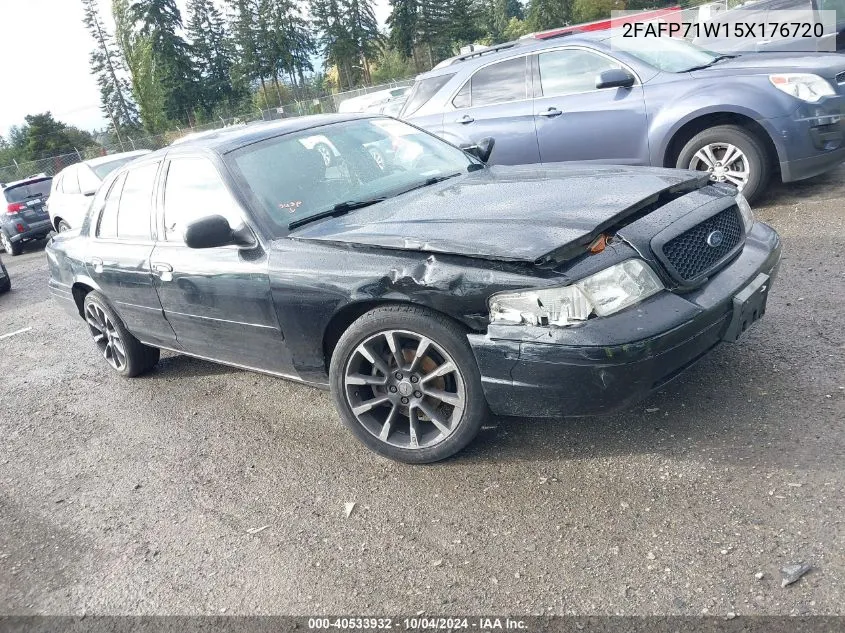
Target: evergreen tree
138, 57
160, 22
212, 59
107, 66
513, 9
433, 30
464, 22
549, 14
402, 22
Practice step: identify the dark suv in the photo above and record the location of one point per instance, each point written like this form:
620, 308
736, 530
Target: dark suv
25, 216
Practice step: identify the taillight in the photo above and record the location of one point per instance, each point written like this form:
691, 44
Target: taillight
14, 207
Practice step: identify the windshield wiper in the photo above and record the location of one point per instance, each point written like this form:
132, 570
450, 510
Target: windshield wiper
428, 182
715, 60
338, 209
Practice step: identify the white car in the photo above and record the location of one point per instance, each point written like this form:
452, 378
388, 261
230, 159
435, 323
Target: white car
73, 187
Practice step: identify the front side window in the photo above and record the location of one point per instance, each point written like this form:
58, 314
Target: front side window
499, 83
571, 71
372, 159
194, 190
136, 202
107, 226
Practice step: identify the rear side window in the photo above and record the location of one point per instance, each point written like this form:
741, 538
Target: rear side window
571, 71
136, 202
108, 218
422, 91
70, 183
195, 190
88, 182
499, 83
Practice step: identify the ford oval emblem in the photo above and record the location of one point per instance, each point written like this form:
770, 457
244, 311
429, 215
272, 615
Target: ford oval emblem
715, 239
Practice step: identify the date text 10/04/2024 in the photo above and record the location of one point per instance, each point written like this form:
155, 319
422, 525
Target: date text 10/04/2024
419, 623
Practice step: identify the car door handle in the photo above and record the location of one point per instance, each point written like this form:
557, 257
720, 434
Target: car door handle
551, 112
465, 119
164, 270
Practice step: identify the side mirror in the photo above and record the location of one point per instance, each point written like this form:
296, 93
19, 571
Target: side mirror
214, 230
615, 78
482, 149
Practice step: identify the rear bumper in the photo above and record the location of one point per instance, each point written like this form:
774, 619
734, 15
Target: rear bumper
64, 296
32, 231
541, 372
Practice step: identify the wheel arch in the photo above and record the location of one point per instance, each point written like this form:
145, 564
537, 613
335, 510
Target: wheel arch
80, 289
347, 314
688, 127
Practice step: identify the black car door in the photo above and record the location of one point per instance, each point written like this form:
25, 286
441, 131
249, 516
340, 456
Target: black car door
118, 259
217, 300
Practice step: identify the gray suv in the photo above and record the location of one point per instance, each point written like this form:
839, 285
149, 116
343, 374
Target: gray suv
609, 99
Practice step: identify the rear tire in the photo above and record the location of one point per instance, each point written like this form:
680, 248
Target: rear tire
125, 354
62, 226
717, 141
13, 248
407, 385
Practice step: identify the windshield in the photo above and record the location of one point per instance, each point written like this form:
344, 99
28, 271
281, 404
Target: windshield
28, 191
664, 53
304, 175
423, 90
104, 169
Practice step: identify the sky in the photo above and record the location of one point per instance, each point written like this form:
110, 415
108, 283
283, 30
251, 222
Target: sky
44, 48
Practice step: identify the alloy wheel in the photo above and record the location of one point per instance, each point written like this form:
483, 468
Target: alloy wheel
106, 336
405, 389
724, 162
63, 226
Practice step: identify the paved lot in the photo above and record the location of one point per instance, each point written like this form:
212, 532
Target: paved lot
140, 496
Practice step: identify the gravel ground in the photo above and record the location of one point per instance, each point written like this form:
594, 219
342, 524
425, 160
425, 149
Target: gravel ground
150, 495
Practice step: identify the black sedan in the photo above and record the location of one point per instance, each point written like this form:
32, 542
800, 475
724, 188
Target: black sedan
425, 292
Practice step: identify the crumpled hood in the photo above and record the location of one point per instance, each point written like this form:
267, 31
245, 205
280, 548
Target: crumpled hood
508, 213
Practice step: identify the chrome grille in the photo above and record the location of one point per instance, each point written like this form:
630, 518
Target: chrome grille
693, 253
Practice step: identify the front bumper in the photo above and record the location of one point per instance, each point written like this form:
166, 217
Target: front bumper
812, 140
610, 363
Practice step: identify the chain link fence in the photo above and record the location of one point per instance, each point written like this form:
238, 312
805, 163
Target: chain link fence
126, 143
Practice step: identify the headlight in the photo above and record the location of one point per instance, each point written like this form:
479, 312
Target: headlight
602, 294
803, 86
746, 213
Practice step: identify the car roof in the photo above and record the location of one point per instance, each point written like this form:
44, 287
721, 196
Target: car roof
24, 181
508, 49
231, 138
110, 157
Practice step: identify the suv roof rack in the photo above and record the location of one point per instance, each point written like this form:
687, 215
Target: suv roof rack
484, 51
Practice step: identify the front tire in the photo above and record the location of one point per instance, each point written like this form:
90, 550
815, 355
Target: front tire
62, 226
730, 154
6, 283
125, 354
407, 385
13, 248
